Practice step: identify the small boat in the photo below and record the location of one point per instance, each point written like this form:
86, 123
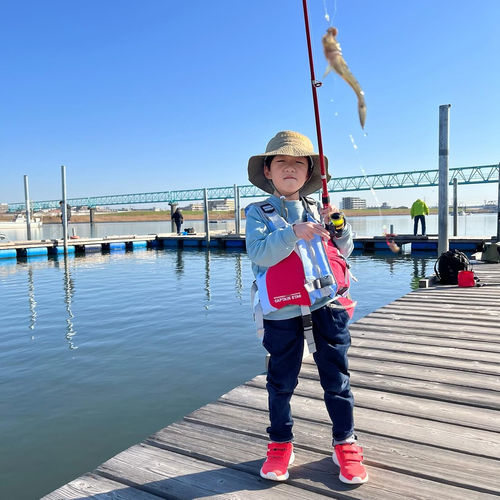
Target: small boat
19, 222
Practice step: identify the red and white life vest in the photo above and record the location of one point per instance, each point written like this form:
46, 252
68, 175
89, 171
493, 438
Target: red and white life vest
315, 269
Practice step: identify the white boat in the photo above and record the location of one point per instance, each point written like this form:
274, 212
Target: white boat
20, 223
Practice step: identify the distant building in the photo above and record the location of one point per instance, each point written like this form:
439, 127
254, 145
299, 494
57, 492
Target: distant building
353, 203
3, 208
385, 205
221, 205
195, 207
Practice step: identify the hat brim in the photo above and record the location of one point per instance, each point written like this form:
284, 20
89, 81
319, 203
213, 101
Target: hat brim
257, 178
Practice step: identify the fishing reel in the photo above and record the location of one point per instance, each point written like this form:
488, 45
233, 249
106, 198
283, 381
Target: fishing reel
336, 224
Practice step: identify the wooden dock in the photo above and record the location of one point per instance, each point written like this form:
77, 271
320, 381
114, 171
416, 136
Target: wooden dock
426, 380
221, 239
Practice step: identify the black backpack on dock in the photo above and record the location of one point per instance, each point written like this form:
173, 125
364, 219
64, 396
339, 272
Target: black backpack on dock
449, 264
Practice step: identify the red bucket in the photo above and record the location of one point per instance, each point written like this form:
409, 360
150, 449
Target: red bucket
466, 279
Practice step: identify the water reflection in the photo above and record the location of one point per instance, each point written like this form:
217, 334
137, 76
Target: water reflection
69, 291
420, 269
179, 264
207, 279
31, 298
238, 277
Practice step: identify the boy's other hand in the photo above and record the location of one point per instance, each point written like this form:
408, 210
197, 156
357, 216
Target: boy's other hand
307, 231
326, 212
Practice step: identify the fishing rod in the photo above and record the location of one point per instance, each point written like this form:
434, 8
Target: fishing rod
325, 197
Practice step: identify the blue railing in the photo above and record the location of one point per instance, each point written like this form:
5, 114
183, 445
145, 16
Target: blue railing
399, 180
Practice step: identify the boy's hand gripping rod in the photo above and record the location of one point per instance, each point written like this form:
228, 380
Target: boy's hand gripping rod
325, 198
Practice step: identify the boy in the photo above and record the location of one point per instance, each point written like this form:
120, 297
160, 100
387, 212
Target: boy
286, 243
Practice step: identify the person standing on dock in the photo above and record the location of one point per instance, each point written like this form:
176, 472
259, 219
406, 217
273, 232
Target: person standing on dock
419, 210
302, 280
68, 211
178, 219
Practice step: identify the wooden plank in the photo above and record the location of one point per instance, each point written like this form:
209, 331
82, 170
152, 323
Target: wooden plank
425, 360
443, 352
407, 428
391, 454
178, 477
92, 486
440, 411
422, 372
402, 324
407, 337
429, 331
488, 317
451, 301
434, 390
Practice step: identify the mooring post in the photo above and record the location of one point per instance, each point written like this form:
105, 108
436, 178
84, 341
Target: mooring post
235, 208
444, 132
207, 229
64, 213
92, 214
498, 206
392, 229
173, 208
455, 207
239, 211
28, 207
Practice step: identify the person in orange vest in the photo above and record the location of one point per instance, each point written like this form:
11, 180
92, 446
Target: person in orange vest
418, 211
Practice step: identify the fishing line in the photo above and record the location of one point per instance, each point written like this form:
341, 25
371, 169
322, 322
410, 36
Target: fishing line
327, 16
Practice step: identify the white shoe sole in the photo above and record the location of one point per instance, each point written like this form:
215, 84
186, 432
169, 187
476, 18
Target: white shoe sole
354, 480
273, 477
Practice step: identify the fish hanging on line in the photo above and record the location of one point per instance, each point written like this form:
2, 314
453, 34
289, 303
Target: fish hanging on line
391, 243
333, 54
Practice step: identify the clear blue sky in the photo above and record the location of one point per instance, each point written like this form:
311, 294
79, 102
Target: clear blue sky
164, 95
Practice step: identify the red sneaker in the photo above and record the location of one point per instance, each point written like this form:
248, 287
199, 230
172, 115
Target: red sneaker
279, 457
349, 457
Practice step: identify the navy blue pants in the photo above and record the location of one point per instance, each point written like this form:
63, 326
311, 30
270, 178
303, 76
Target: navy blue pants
420, 218
284, 340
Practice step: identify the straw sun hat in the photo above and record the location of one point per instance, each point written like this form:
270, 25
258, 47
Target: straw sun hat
291, 144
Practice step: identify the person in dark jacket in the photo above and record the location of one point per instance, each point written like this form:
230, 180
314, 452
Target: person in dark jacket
68, 211
178, 219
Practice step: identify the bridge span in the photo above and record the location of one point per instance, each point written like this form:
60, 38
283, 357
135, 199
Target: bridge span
398, 180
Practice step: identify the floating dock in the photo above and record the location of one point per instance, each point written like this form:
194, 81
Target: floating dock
217, 239
426, 381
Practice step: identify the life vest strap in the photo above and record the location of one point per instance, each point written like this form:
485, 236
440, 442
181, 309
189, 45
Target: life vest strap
319, 283
308, 331
258, 314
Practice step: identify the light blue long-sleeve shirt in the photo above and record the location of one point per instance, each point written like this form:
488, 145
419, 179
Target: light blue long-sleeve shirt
266, 248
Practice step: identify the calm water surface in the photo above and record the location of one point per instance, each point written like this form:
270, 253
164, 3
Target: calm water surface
99, 351
470, 225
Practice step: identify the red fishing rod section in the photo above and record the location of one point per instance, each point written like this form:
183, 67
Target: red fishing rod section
325, 198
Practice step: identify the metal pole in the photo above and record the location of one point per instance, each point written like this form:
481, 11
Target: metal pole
444, 132
28, 208
498, 206
455, 207
173, 208
207, 229
236, 228
239, 211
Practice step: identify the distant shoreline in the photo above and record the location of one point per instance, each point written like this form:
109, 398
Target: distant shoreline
164, 216
147, 216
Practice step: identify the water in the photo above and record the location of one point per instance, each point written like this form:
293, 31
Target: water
99, 351
469, 225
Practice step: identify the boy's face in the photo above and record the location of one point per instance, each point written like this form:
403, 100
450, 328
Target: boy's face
288, 173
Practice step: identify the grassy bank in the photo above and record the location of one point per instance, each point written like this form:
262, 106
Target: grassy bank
146, 215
